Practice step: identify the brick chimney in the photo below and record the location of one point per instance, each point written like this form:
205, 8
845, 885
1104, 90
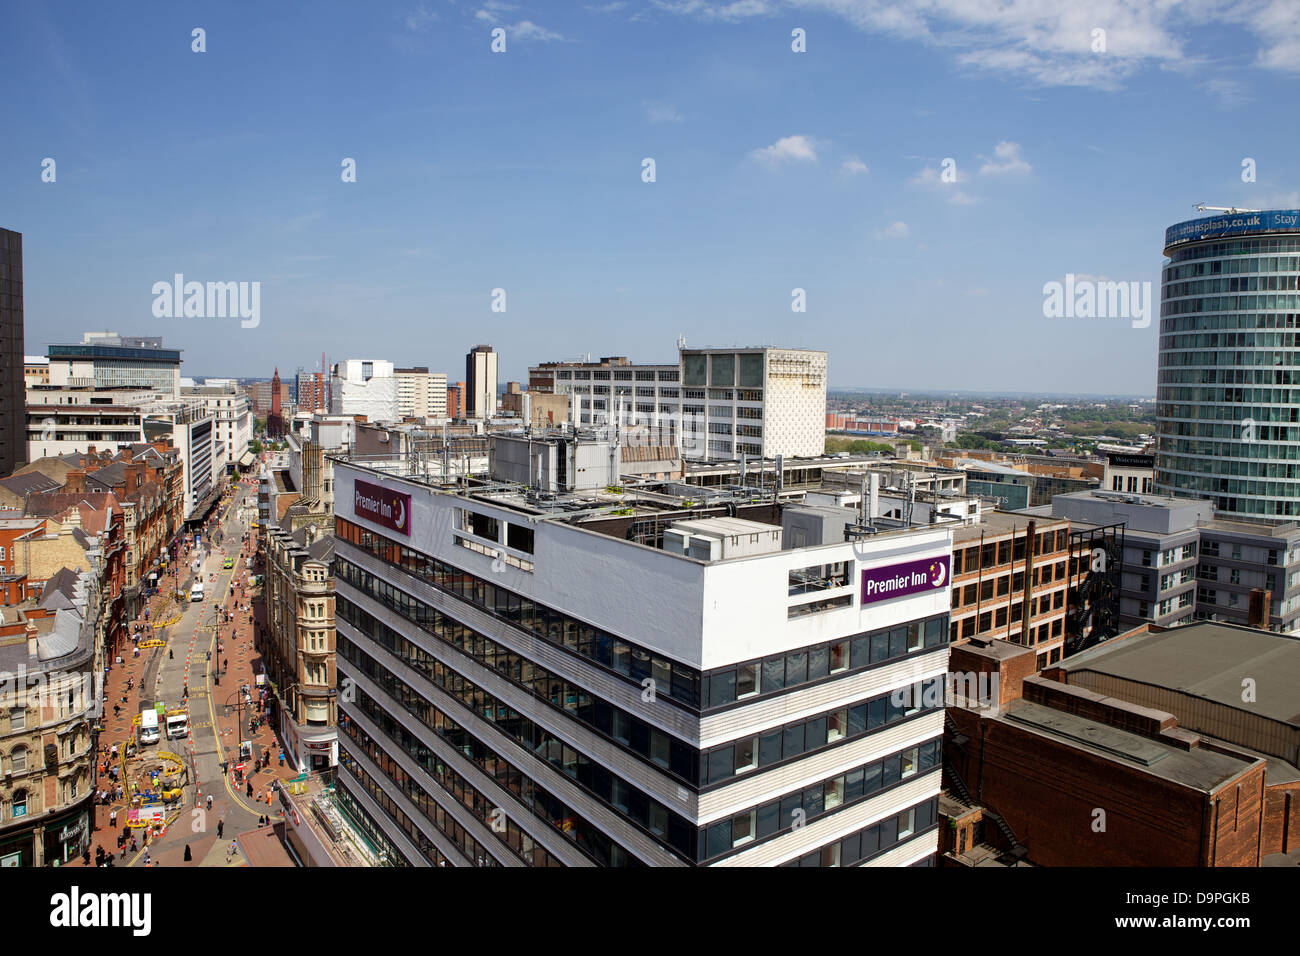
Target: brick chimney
75, 483
90, 450
133, 477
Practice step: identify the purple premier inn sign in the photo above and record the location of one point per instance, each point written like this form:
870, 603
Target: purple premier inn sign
391, 509
900, 580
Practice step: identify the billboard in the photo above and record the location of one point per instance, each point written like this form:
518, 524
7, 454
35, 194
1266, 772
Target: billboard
390, 509
900, 580
1009, 497
1233, 224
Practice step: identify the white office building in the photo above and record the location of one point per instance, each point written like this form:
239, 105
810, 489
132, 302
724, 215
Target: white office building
722, 403
421, 393
232, 416
364, 387
602, 679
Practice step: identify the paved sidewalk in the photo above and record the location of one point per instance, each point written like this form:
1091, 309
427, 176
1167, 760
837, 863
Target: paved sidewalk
181, 674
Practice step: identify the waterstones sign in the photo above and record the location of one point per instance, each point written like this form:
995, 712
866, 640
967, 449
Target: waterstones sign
391, 509
900, 580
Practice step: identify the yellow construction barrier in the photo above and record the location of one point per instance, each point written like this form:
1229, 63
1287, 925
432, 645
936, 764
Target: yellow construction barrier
151, 643
167, 623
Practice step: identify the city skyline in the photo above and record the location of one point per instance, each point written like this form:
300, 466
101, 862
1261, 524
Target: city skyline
524, 171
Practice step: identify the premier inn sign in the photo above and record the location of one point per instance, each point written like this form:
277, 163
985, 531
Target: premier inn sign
900, 580
391, 509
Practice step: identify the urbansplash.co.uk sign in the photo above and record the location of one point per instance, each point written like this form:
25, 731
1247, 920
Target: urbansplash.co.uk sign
1233, 224
391, 509
900, 580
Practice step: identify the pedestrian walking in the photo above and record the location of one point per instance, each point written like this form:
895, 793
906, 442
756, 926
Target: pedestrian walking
185, 692
250, 788
188, 856
209, 801
146, 857
281, 758
170, 655
221, 825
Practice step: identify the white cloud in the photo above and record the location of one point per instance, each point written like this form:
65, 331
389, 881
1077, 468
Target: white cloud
928, 178
1007, 160
1050, 42
526, 30
728, 11
854, 166
661, 113
419, 18
895, 230
787, 149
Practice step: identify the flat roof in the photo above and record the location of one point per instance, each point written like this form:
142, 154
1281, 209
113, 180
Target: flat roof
1208, 659
1002, 522
1198, 769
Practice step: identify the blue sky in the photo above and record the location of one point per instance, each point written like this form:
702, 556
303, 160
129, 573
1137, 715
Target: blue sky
522, 170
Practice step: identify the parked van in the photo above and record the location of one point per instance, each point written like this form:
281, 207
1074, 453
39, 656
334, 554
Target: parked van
148, 732
196, 592
178, 726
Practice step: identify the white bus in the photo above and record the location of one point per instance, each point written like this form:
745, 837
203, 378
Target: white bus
178, 726
148, 727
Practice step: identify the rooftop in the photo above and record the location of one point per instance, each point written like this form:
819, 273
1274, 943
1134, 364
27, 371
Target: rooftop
1199, 769
1002, 522
1206, 660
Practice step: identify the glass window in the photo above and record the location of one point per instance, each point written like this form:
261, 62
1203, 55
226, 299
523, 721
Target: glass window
909, 762
906, 824
773, 673
860, 655
769, 819
746, 754
816, 732
722, 688
877, 710
743, 828
769, 748
880, 646
819, 663
747, 676
721, 764
793, 743
796, 668
857, 720
839, 657
837, 725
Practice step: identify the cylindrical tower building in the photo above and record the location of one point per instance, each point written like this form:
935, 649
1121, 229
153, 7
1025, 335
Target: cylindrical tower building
1227, 389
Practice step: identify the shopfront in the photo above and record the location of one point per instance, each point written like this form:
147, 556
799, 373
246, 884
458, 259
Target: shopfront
66, 837
18, 849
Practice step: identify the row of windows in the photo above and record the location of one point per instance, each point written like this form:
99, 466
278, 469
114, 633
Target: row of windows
668, 753
874, 840
1230, 266
824, 730
544, 805
995, 554
1233, 247
672, 679
782, 672
1250, 283
796, 809
505, 829
1230, 395
674, 831
454, 831
1255, 322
